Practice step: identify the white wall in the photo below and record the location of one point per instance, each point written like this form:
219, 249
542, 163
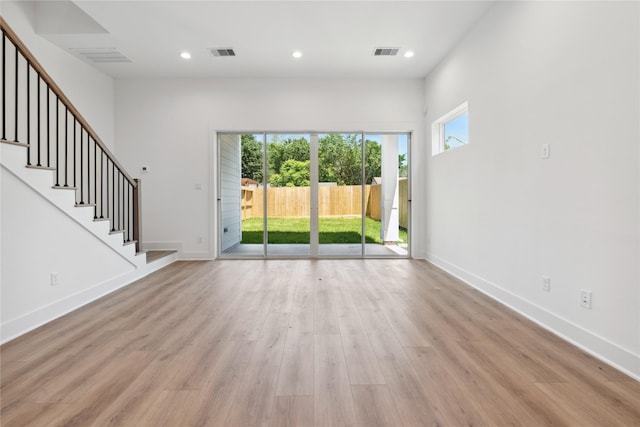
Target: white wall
500, 217
37, 240
170, 125
231, 178
91, 91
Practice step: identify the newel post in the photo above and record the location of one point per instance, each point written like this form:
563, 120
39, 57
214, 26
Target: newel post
137, 223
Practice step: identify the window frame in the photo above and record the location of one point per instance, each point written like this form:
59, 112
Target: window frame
437, 128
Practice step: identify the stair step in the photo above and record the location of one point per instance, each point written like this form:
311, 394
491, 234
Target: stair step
102, 219
116, 231
130, 242
46, 168
62, 187
21, 144
85, 205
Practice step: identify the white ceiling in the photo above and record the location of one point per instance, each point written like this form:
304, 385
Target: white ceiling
336, 38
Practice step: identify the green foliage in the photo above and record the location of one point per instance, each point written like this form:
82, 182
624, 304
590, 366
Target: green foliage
289, 149
339, 158
251, 158
373, 160
403, 168
293, 173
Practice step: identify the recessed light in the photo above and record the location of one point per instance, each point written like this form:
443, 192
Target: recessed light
185, 55
408, 54
296, 54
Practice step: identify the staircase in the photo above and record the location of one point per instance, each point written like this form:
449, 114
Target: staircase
48, 145
74, 228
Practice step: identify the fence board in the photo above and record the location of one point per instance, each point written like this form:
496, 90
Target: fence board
343, 200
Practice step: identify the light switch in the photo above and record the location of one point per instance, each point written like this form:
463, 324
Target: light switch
545, 152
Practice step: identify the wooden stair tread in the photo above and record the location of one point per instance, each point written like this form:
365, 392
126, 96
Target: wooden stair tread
47, 168
62, 187
85, 205
21, 144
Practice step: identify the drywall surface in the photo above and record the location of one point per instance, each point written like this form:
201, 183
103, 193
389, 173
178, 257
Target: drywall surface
90, 91
170, 126
500, 216
38, 240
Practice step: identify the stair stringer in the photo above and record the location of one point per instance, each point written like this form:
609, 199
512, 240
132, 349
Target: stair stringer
12, 159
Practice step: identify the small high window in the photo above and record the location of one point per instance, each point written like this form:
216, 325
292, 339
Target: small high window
451, 130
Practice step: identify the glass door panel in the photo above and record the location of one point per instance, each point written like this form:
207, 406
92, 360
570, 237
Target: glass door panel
340, 195
387, 194
241, 194
288, 197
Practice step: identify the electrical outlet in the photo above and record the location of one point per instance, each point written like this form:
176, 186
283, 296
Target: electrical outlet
54, 279
585, 298
546, 284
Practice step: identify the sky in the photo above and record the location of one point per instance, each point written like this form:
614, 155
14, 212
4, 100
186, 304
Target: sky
457, 130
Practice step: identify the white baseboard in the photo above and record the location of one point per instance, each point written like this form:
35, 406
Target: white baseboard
14, 328
599, 347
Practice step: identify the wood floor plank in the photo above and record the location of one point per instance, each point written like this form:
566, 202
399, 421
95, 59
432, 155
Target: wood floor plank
374, 406
304, 343
439, 385
295, 377
293, 411
333, 402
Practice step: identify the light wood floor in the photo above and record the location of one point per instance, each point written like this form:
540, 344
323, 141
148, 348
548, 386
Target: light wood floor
357, 342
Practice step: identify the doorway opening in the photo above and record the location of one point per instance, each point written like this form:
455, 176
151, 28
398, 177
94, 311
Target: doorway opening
314, 194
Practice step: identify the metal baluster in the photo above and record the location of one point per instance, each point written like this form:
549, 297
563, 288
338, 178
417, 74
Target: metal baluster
75, 125
28, 114
101, 183
88, 168
107, 180
95, 180
16, 101
81, 186
113, 185
38, 122
66, 142
4, 79
57, 142
127, 214
48, 127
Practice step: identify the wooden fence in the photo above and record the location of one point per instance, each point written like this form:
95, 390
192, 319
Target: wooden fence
333, 201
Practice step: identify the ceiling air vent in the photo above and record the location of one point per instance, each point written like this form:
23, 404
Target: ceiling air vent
386, 51
100, 54
222, 51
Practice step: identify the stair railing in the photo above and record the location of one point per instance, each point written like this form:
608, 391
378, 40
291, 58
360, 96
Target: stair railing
38, 115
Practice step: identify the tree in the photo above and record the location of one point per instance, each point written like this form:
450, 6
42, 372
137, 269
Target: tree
251, 154
293, 173
340, 159
403, 168
289, 149
373, 160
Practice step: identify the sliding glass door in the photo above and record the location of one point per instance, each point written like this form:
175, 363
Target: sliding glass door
313, 194
288, 195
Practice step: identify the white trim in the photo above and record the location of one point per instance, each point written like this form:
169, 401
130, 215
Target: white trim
14, 328
610, 353
437, 127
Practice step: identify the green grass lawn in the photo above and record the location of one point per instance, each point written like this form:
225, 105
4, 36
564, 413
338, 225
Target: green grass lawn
296, 230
